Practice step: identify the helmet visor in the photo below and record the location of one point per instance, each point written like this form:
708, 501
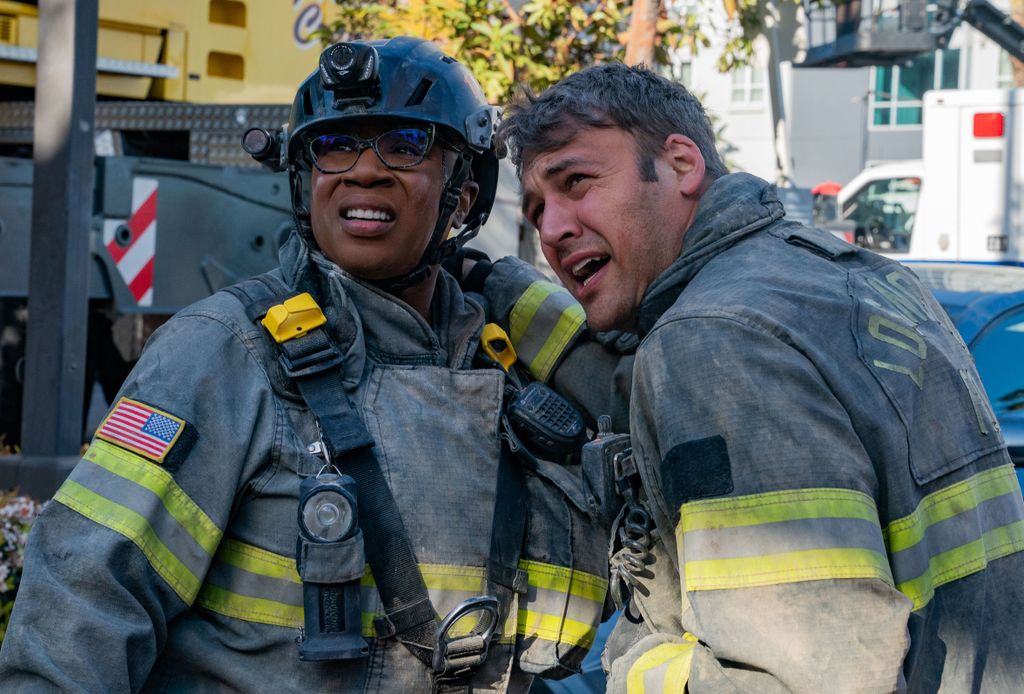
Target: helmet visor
401, 148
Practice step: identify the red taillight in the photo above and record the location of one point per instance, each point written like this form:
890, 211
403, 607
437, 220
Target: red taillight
988, 124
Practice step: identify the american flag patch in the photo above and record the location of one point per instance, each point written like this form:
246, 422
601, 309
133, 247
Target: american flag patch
141, 428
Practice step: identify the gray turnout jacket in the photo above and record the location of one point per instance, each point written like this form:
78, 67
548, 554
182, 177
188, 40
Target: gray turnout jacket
167, 561
836, 510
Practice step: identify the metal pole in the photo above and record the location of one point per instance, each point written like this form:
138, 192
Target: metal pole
62, 204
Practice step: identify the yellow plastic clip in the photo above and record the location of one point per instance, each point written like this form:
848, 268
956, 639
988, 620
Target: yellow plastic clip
497, 346
293, 318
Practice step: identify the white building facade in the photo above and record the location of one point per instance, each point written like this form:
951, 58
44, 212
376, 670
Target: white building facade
830, 122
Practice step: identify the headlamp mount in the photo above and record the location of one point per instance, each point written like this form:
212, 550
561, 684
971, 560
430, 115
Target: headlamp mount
351, 72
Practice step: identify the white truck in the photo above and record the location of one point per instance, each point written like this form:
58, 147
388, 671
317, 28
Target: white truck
962, 201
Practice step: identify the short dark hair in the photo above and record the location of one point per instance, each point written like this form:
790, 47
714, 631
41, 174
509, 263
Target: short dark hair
642, 103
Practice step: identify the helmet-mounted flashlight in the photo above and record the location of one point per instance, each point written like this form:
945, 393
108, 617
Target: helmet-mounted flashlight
350, 70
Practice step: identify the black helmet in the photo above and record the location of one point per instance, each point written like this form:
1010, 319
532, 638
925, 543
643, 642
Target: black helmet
405, 79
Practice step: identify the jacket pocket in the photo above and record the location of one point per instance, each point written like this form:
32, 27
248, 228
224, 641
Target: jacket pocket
565, 560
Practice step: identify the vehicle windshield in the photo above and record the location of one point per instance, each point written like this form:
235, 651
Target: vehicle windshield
997, 353
883, 212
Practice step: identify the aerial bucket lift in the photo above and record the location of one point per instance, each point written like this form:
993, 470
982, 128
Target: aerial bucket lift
857, 33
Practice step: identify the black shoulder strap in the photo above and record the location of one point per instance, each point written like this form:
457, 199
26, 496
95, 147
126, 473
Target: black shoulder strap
312, 362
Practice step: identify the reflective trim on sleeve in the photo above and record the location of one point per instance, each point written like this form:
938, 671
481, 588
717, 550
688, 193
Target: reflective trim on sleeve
664, 668
160, 482
561, 605
542, 323
955, 532
141, 501
781, 537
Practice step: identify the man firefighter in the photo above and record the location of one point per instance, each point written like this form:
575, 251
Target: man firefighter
824, 501
307, 482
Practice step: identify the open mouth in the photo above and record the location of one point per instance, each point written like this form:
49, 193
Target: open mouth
585, 270
368, 214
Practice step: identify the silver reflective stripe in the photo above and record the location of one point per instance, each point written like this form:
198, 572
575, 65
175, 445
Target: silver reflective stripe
664, 668
148, 505
542, 323
954, 532
783, 536
141, 501
248, 583
254, 585
448, 586
561, 605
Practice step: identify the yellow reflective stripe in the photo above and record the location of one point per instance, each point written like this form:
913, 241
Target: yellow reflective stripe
251, 609
735, 519
137, 529
527, 310
557, 595
468, 580
673, 660
443, 577
160, 482
964, 560
788, 567
555, 628
565, 329
368, 629
948, 502
955, 532
258, 561
773, 507
560, 579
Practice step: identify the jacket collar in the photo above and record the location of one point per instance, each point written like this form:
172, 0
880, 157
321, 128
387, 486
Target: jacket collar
367, 320
733, 207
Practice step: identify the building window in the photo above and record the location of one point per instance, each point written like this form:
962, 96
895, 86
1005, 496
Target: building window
1005, 78
748, 85
897, 98
682, 72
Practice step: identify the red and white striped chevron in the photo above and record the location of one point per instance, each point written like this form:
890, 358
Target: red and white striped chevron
134, 260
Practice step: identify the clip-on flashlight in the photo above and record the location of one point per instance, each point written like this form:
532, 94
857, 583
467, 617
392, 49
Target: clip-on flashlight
331, 561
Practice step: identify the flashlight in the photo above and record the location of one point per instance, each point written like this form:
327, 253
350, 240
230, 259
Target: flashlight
331, 561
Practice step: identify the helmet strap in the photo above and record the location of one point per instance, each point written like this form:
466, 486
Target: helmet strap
300, 213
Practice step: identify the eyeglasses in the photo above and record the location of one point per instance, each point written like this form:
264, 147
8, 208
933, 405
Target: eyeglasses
401, 148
